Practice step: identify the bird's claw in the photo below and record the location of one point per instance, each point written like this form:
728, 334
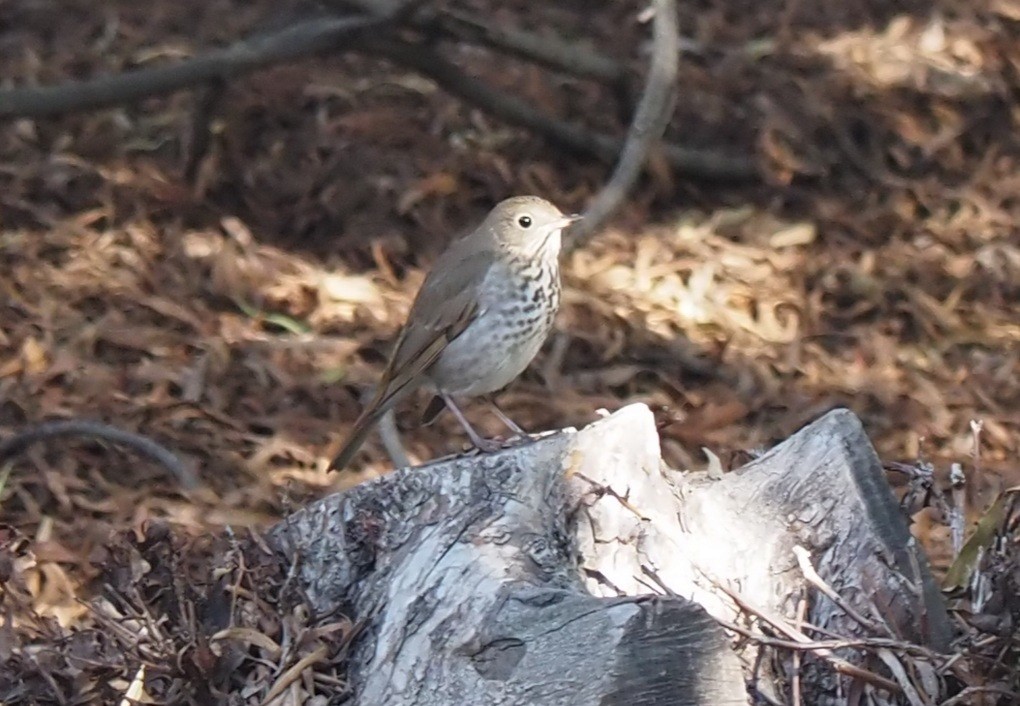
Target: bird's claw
488, 446
498, 444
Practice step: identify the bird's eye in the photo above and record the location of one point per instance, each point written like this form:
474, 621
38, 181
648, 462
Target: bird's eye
524, 221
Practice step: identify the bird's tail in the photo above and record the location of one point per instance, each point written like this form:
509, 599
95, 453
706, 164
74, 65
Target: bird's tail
356, 438
386, 396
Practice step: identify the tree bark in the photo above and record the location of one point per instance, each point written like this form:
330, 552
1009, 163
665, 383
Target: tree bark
529, 576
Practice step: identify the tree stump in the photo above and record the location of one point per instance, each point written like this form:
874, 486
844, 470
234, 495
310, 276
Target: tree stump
578, 569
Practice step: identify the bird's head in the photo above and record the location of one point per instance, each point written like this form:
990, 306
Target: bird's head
528, 225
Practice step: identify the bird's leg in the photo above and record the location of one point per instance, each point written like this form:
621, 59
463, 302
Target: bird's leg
510, 424
480, 442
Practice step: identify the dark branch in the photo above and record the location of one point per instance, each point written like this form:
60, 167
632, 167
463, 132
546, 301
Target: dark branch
298, 40
14, 445
206, 104
326, 34
653, 113
705, 164
547, 51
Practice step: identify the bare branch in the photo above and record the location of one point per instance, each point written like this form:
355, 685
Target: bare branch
547, 51
207, 102
329, 34
95, 430
650, 120
390, 436
705, 164
296, 41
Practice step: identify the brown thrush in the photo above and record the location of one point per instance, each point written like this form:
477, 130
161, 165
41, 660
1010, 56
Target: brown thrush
479, 318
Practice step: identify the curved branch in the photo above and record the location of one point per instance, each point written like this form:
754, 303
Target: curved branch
95, 430
298, 40
650, 120
324, 34
390, 436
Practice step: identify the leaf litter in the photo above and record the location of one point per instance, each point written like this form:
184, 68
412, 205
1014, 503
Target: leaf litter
238, 319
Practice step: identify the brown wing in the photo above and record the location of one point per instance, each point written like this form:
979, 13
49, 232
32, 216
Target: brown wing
445, 305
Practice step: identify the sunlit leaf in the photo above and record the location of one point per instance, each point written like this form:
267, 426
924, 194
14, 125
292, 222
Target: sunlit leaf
287, 323
984, 534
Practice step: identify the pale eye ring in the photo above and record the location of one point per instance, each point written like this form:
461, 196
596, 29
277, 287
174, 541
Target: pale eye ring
524, 221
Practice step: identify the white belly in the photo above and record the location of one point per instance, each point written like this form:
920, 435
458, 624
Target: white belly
497, 347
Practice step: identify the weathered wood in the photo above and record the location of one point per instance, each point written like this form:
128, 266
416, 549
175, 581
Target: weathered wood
822, 489
524, 577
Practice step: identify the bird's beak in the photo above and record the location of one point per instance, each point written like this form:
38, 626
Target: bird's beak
567, 220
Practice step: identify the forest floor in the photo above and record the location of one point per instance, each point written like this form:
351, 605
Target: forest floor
238, 317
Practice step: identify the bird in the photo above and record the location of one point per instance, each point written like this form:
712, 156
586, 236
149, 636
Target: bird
479, 318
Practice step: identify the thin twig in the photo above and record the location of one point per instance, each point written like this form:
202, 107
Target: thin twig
958, 512
806, 568
798, 624
651, 117
206, 104
976, 427
96, 430
900, 674
964, 696
869, 643
298, 40
922, 478
838, 663
294, 672
799, 642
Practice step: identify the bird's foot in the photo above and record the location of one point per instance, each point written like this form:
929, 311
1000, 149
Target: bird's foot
510, 424
499, 443
487, 446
